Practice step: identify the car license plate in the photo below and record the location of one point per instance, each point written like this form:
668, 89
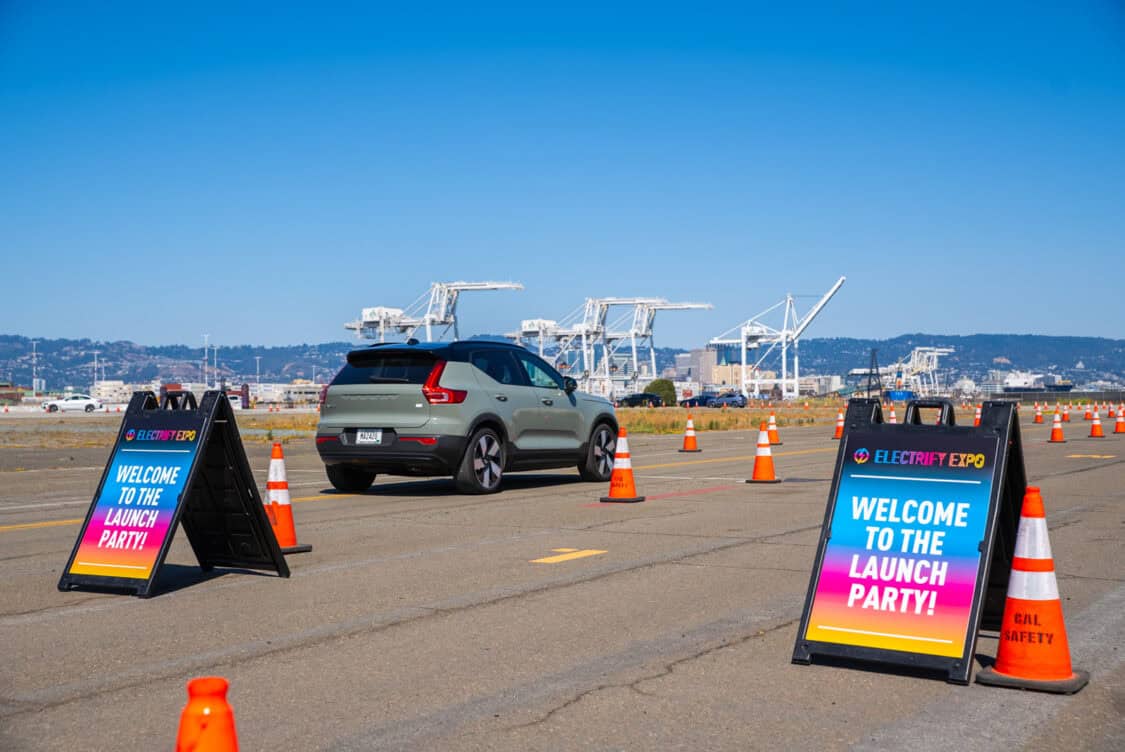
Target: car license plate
369, 436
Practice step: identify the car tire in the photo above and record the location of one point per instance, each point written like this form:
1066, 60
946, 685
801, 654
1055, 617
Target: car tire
52, 408
598, 465
482, 467
89, 408
349, 479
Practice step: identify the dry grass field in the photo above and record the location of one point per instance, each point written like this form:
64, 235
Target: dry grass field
256, 426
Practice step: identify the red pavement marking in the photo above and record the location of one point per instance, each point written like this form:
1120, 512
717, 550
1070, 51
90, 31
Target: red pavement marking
691, 492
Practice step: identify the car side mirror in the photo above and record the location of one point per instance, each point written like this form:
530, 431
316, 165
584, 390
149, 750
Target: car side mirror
569, 384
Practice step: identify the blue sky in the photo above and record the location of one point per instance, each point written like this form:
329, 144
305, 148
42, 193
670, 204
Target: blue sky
263, 173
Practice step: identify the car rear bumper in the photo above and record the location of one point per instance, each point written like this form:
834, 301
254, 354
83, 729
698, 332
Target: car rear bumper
401, 455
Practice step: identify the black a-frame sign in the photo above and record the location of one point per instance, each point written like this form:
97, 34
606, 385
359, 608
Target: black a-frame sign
174, 462
916, 547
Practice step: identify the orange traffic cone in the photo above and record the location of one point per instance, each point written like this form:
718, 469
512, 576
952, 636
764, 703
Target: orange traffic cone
1096, 427
207, 723
622, 489
806, 405
893, 419
763, 459
839, 425
1038, 414
690, 444
1056, 432
278, 507
976, 416
1119, 425
1089, 413
775, 439
1111, 413
1033, 652
1066, 413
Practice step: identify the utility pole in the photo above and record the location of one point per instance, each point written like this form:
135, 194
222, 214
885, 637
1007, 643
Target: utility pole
206, 337
216, 368
874, 378
94, 388
257, 369
34, 367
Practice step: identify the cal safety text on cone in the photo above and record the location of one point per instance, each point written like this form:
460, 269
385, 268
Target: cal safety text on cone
1033, 652
207, 722
278, 506
622, 488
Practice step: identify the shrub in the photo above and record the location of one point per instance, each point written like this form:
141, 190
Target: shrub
664, 389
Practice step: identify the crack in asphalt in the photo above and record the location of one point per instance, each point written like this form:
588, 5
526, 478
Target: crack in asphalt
667, 670
140, 675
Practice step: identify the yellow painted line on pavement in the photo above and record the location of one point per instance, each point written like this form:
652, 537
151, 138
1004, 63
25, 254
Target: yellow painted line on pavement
567, 554
745, 458
331, 497
321, 497
78, 520
34, 525
1091, 456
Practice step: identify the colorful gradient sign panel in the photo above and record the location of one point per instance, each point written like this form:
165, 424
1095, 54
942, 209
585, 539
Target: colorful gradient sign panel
901, 563
137, 504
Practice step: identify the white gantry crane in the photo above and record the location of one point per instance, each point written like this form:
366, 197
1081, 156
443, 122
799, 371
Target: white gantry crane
752, 334
917, 372
435, 309
587, 346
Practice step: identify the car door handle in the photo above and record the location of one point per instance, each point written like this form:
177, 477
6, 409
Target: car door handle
548, 401
502, 397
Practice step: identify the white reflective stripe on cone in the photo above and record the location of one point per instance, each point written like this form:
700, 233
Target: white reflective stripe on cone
277, 471
763, 451
1031, 540
1033, 586
622, 463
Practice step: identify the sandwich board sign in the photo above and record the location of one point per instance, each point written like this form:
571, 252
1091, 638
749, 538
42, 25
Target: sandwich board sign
918, 536
173, 462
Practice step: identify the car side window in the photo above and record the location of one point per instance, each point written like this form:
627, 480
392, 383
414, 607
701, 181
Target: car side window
498, 365
538, 372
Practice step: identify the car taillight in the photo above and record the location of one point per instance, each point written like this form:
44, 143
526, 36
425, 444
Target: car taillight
439, 395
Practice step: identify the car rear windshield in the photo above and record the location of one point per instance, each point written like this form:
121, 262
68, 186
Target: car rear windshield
386, 368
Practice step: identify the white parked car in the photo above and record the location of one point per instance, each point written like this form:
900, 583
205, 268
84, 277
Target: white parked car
83, 402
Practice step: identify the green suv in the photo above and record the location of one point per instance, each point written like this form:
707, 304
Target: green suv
471, 409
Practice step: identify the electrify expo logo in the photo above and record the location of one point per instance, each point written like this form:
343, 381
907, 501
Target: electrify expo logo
925, 459
133, 434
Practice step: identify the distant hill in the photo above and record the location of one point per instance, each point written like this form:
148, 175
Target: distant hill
67, 362
1081, 359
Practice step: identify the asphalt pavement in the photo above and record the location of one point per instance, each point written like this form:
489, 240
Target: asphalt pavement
534, 619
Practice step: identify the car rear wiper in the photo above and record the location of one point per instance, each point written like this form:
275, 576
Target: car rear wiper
387, 380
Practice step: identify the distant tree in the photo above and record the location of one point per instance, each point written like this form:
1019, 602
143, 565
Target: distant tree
664, 389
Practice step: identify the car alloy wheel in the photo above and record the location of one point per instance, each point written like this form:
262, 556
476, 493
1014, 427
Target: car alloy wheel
604, 445
486, 461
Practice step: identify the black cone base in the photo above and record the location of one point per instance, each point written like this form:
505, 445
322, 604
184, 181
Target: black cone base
626, 500
299, 549
1069, 686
